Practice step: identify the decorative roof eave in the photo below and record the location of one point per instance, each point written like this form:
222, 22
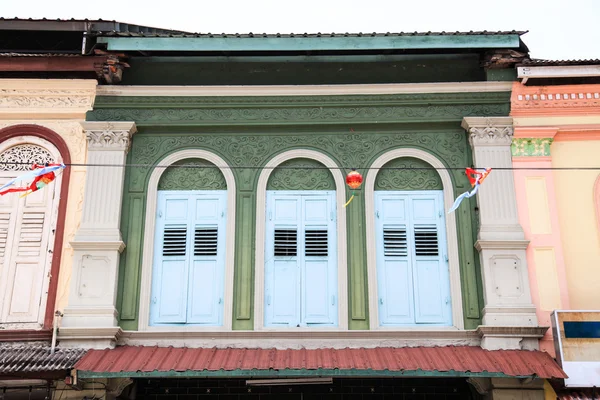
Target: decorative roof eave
270, 43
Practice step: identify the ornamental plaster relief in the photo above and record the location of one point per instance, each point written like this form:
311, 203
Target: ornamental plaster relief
34, 98
548, 100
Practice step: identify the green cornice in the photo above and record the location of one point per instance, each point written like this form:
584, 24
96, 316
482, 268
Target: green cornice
298, 110
322, 43
531, 147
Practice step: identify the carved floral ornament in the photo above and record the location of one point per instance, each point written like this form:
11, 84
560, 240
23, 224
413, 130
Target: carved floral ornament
20, 157
489, 131
51, 98
108, 136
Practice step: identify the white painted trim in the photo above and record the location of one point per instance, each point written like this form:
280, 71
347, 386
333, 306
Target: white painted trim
305, 90
259, 266
148, 246
451, 233
558, 71
49, 227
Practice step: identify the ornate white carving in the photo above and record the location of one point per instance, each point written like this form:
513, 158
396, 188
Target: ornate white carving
12, 98
489, 131
109, 135
28, 97
22, 156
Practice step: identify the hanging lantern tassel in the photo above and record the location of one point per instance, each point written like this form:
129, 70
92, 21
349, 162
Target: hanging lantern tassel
354, 179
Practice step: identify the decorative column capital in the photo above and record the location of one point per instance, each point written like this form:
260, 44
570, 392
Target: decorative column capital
109, 135
489, 131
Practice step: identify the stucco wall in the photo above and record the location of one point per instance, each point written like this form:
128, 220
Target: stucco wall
577, 215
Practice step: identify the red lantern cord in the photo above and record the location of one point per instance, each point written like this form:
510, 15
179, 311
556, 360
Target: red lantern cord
354, 179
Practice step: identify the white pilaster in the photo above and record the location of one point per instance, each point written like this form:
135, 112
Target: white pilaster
501, 241
91, 310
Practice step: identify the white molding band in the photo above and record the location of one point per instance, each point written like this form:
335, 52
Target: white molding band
305, 90
259, 266
557, 71
148, 246
451, 233
32, 99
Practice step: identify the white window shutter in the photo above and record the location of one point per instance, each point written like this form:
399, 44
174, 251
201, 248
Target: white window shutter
26, 262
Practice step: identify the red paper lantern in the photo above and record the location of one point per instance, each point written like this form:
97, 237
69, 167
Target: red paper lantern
354, 179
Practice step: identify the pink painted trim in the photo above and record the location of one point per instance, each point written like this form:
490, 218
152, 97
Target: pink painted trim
531, 159
597, 201
537, 241
577, 135
554, 100
535, 132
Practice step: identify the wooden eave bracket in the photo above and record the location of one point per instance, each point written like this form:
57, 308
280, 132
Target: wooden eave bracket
503, 58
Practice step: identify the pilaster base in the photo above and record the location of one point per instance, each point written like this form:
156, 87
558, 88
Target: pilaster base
89, 338
85, 317
510, 337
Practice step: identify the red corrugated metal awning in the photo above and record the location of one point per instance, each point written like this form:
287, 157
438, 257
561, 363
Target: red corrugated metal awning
581, 395
130, 361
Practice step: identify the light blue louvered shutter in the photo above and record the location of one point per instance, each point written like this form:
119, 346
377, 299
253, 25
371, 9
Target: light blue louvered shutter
282, 258
319, 267
431, 276
168, 303
207, 258
394, 270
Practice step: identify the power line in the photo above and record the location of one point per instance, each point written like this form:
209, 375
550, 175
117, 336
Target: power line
247, 167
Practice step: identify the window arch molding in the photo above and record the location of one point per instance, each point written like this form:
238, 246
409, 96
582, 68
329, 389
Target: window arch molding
150, 226
259, 267
451, 233
36, 134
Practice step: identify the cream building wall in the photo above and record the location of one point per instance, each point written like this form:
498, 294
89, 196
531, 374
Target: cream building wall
577, 213
58, 105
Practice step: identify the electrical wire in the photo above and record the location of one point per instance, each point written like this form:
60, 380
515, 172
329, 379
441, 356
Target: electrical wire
251, 167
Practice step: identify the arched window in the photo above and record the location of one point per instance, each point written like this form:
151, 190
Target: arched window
412, 249
301, 243
300, 246
412, 273
187, 267
27, 231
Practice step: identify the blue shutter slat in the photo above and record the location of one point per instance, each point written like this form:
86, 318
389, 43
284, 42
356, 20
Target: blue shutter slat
282, 275
431, 278
300, 259
412, 273
188, 278
319, 269
394, 271
207, 267
170, 267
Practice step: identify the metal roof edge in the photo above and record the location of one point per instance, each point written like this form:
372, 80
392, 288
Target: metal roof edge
288, 372
309, 43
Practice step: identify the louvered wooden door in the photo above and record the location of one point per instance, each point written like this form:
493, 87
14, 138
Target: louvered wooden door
189, 258
25, 237
300, 259
412, 268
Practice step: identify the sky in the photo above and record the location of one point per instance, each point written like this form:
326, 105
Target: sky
558, 29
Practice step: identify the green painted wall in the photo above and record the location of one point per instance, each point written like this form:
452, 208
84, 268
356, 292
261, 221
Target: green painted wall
247, 133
